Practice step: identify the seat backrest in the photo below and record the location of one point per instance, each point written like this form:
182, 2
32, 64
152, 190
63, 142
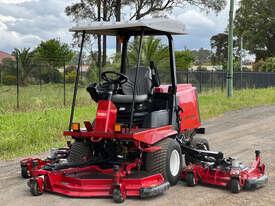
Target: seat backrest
144, 81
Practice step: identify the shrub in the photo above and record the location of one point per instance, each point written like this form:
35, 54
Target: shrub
9, 79
265, 66
269, 65
51, 75
70, 77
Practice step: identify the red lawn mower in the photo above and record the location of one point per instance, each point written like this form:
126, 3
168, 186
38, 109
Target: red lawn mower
134, 145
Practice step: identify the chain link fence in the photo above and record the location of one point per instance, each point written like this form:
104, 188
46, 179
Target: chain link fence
61, 81
210, 80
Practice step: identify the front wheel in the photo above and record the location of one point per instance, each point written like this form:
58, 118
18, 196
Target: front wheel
190, 179
167, 161
197, 143
235, 186
117, 196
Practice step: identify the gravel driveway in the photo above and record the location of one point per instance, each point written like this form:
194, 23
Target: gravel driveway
235, 133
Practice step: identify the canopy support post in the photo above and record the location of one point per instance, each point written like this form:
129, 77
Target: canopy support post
76, 80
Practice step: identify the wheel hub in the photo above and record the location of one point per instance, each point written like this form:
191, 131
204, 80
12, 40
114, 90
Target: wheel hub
174, 162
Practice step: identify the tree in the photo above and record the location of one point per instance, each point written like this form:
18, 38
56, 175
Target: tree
24, 57
184, 59
143, 8
202, 56
54, 53
219, 45
152, 50
91, 10
255, 22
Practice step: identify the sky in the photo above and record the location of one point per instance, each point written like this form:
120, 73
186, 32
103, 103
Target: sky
25, 23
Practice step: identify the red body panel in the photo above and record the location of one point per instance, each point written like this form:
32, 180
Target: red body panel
105, 116
188, 102
148, 136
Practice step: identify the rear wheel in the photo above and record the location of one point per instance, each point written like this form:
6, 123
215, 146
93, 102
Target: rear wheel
167, 161
79, 153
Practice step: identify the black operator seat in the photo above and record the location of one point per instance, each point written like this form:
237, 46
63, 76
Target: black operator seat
144, 86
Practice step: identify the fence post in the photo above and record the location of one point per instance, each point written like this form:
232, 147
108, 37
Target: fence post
222, 80
0, 76
200, 81
17, 82
187, 77
241, 79
64, 84
40, 83
212, 79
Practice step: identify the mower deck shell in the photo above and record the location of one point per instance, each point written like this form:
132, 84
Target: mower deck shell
93, 181
215, 174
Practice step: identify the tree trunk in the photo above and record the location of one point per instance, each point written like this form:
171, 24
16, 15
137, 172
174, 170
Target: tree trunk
118, 18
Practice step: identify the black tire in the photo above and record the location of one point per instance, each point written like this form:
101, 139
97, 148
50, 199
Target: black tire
117, 196
197, 143
24, 172
159, 161
34, 188
190, 179
235, 186
79, 153
200, 143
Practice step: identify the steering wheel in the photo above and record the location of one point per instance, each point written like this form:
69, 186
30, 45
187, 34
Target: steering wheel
118, 79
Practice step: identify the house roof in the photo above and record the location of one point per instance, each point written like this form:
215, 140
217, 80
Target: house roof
4, 55
155, 26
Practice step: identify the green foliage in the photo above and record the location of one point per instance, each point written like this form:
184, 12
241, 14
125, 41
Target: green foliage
92, 74
70, 77
152, 50
54, 53
257, 66
265, 66
202, 56
184, 59
51, 75
255, 21
25, 59
8, 67
269, 65
9, 80
219, 45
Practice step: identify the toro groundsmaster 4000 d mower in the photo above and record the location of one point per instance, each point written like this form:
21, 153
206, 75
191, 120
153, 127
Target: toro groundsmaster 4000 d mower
134, 145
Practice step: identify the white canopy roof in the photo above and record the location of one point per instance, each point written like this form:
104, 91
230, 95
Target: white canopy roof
153, 26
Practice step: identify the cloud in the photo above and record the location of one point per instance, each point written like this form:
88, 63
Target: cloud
200, 26
11, 39
24, 23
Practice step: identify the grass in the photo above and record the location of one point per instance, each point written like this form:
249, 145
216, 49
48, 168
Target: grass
39, 123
